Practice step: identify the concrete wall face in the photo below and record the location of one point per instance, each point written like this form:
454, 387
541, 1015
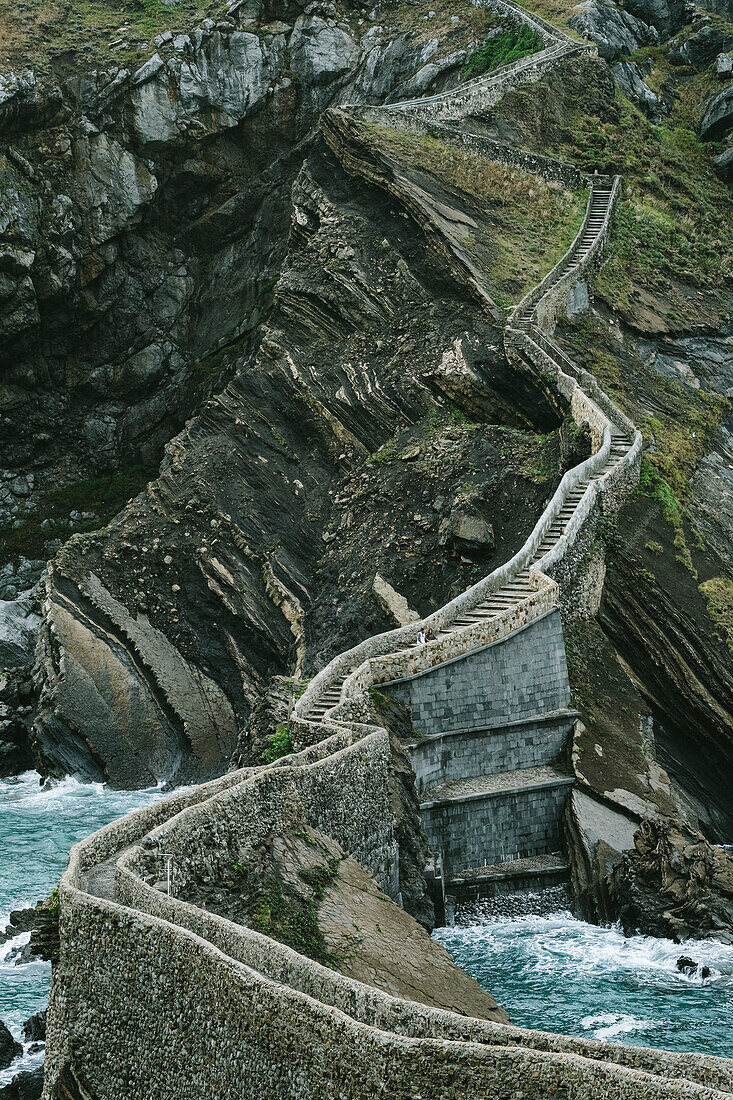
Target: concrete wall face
522, 676
496, 827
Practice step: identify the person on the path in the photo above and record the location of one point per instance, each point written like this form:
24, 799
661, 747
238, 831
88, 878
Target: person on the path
421, 636
430, 636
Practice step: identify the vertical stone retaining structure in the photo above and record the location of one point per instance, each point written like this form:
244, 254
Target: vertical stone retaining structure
154, 998
494, 726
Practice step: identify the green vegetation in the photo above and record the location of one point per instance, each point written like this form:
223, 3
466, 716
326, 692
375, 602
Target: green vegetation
674, 229
718, 595
654, 547
523, 225
654, 485
679, 431
279, 744
105, 496
293, 922
59, 31
297, 687
503, 48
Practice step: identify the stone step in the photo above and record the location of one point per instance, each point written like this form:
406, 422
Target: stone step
501, 783
552, 863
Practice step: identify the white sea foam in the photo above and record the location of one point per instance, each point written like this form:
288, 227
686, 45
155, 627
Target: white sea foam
611, 1025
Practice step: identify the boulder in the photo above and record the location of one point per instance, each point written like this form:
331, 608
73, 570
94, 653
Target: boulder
9, 1048
319, 52
724, 65
702, 48
392, 603
718, 118
467, 530
615, 32
688, 966
27, 1085
627, 77
666, 16
723, 164
34, 1029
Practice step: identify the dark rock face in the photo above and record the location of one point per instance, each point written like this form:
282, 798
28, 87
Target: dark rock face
615, 31
9, 1048
702, 48
674, 884
628, 77
16, 721
666, 16
718, 118
27, 1085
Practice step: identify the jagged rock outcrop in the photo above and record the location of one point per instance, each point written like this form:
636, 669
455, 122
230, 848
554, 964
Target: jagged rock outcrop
615, 31
627, 76
702, 47
159, 635
718, 118
144, 217
675, 884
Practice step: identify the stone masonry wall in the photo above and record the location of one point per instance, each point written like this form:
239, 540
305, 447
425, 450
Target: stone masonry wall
521, 676
495, 827
489, 750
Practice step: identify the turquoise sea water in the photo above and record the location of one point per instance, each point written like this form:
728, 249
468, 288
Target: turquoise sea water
37, 829
551, 972
560, 974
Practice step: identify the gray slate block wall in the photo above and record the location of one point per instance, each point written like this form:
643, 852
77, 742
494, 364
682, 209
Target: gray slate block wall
495, 827
518, 677
450, 756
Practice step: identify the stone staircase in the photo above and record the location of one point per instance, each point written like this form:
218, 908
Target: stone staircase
472, 820
153, 996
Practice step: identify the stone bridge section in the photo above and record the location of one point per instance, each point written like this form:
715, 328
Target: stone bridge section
154, 998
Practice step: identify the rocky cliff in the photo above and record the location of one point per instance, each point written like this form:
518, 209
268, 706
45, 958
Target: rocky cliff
299, 375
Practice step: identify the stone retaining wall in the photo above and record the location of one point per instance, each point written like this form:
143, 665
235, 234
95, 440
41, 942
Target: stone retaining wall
496, 826
528, 743
522, 675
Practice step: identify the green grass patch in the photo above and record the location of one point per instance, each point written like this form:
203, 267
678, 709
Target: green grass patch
674, 229
523, 225
293, 922
718, 595
279, 744
503, 48
105, 496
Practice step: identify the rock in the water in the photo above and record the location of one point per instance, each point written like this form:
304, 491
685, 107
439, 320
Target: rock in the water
688, 966
27, 1085
696, 898
20, 920
628, 78
34, 1029
718, 118
9, 1048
